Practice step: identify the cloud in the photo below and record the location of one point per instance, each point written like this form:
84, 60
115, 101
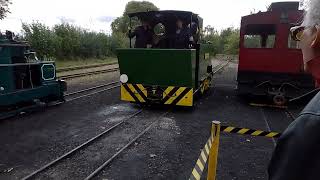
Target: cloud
106, 19
66, 20
99, 14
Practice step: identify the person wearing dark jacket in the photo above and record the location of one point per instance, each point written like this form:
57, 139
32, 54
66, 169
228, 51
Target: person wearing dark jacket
143, 34
297, 154
183, 36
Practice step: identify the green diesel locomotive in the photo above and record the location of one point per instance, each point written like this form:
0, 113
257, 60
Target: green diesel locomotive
170, 70
25, 81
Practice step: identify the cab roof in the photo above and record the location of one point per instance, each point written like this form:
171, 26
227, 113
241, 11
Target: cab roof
167, 15
284, 6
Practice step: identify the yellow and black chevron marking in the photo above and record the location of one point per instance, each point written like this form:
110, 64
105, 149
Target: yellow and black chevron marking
251, 132
202, 160
205, 85
181, 96
133, 93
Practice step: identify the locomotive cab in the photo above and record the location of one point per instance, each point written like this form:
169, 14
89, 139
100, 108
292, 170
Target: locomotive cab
163, 73
270, 62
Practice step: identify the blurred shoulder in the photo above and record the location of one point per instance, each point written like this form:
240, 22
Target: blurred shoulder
307, 121
313, 107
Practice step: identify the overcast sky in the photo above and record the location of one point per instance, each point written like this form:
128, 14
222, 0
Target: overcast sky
97, 15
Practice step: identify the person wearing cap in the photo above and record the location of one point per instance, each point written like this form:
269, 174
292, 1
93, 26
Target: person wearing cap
297, 153
183, 36
143, 34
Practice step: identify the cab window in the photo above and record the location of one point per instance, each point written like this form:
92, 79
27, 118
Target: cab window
260, 36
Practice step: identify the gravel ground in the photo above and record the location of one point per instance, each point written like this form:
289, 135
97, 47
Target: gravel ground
168, 151
80, 165
30, 141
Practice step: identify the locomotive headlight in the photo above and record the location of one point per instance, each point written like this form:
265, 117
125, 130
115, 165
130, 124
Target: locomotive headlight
124, 78
1, 88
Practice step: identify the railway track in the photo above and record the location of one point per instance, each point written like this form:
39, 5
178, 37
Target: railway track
113, 85
88, 144
220, 67
77, 75
91, 91
69, 97
107, 162
290, 115
84, 67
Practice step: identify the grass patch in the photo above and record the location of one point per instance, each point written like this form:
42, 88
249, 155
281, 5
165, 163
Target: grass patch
82, 62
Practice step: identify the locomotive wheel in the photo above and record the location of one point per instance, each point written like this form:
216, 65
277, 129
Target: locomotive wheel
279, 100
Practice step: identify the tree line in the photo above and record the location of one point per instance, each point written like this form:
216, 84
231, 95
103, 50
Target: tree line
4, 8
225, 41
66, 41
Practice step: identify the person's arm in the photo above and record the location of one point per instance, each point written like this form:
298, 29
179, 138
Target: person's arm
150, 38
189, 39
297, 153
132, 34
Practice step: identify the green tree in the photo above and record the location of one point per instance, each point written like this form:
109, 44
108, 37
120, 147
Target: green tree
121, 24
68, 37
119, 40
209, 30
224, 42
4, 8
65, 41
231, 45
42, 39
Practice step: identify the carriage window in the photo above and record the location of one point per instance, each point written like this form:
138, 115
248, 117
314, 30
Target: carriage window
292, 44
260, 36
252, 41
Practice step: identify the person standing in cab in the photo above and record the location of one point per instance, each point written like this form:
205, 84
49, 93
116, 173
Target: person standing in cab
183, 37
297, 154
194, 31
143, 35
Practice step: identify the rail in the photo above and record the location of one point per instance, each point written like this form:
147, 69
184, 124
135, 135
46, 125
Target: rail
76, 75
95, 89
84, 67
80, 147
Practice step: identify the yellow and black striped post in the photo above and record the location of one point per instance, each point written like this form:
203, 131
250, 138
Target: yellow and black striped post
213, 156
210, 151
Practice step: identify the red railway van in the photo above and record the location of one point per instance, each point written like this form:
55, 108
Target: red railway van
270, 62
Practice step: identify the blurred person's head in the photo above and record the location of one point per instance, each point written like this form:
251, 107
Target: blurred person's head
179, 24
309, 36
145, 23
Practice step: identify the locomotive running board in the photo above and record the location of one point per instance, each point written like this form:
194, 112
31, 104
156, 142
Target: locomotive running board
179, 96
